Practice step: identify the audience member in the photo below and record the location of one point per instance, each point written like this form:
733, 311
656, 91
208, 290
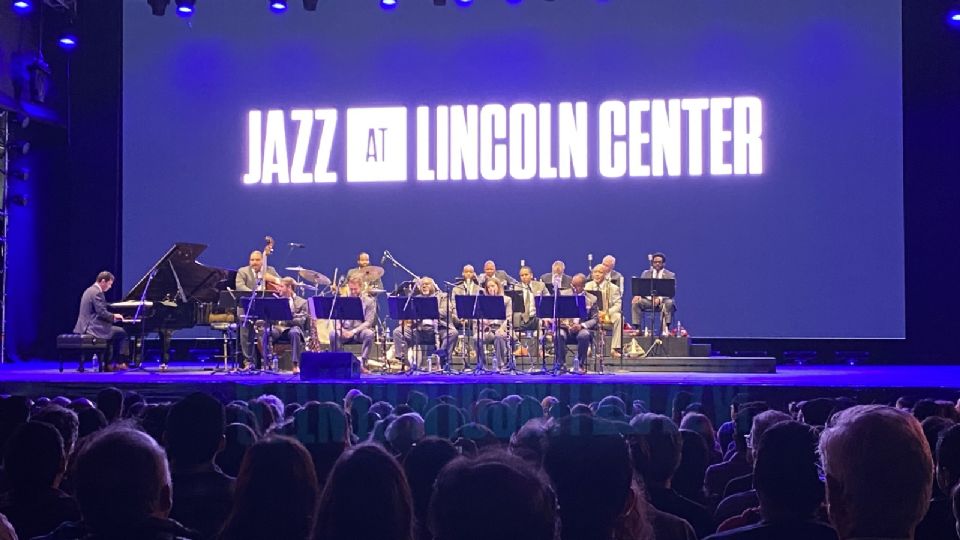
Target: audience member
276, 493
110, 403
422, 465
35, 463
123, 489
737, 464
656, 456
443, 420
939, 523
403, 433
526, 505
90, 421
366, 498
322, 428
240, 413
238, 438
879, 472
530, 442
694, 460
701, 424
202, 494
590, 466
153, 421
64, 420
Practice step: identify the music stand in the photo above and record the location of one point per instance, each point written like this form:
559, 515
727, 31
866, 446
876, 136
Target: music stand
270, 310
416, 309
336, 308
601, 333
519, 308
481, 308
666, 287
555, 308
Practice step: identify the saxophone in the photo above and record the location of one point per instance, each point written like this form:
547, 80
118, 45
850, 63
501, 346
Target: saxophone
313, 344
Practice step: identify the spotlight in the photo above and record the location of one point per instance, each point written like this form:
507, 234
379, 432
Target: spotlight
310, 5
185, 8
23, 6
68, 39
464, 2
388, 4
513, 1
158, 7
953, 16
278, 6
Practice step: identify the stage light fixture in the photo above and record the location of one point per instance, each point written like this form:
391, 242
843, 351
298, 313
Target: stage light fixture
464, 2
953, 16
158, 7
388, 4
278, 6
310, 5
514, 1
23, 6
185, 8
68, 39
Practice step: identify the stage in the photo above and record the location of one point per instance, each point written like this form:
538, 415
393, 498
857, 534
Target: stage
868, 384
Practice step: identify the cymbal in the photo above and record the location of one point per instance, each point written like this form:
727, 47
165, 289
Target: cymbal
295, 268
370, 273
307, 286
314, 276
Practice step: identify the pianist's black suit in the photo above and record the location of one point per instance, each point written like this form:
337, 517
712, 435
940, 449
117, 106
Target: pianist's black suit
94, 319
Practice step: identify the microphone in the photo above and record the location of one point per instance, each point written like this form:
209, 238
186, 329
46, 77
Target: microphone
523, 262
296, 245
590, 261
384, 258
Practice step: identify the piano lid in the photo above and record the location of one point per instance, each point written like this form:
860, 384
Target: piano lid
178, 270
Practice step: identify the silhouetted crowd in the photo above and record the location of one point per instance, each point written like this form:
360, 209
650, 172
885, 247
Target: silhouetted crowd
500, 467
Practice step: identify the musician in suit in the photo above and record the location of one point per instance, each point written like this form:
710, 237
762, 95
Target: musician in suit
363, 261
609, 263
94, 319
610, 305
490, 271
468, 286
557, 277
253, 276
575, 330
426, 331
358, 331
293, 330
250, 278
658, 303
530, 289
496, 332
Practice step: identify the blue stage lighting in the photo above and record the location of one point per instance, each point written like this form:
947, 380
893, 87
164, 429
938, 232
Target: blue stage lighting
185, 8
464, 2
278, 6
23, 6
388, 4
953, 17
68, 40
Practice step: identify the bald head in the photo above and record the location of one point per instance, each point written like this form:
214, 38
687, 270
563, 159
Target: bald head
256, 260
578, 282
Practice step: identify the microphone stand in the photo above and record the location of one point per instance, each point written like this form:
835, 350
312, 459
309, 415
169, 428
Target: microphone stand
143, 325
246, 319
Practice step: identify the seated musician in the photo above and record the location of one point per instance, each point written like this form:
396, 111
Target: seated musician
496, 332
610, 264
95, 320
292, 330
358, 331
363, 261
575, 330
663, 304
468, 286
556, 277
250, 278
531, 289
426, 331
490, 271
610, 306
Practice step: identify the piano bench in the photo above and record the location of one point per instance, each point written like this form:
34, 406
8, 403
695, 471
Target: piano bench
85, 344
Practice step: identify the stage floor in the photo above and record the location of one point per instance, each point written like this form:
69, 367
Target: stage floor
873, 384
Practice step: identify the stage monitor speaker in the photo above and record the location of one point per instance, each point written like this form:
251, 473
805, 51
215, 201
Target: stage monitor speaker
329, 365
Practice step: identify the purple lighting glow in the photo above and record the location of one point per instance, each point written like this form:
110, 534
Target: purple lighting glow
22, 6
278, 6
388, 4
953, 17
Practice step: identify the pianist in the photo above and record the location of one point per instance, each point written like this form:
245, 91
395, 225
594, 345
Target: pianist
95, 320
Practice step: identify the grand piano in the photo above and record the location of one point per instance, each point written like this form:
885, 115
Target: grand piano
177, 292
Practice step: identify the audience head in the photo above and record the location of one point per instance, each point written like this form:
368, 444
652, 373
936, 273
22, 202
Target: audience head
34, 459
656, 448
816, 412
238, 439
276, 492
948, 458
417, 401
694, 460
266, 415
90, 421
323, 430
481, 436
526, 504
925, 408
530, 442
879, 472
680, 402
366, 497
194, 431
240, 413
590, 465
443, 420
785, 473
743, 423
932, 426
547, 403
14, 410
64, 420
761, 423
422, 464
701, 424
382, 409
404, 432
121, 478
153, 421
110, 402
131, 398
